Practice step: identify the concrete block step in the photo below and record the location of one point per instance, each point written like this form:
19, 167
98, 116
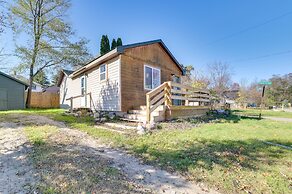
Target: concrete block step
142, 118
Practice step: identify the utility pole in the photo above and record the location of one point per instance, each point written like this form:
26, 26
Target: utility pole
264, 83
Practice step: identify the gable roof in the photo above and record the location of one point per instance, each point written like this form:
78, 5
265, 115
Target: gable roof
14, 79
67, 72
119, 50
62, 73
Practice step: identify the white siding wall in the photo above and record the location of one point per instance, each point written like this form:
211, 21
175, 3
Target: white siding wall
105, 94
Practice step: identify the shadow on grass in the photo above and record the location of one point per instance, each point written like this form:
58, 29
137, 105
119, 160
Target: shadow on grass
250, 154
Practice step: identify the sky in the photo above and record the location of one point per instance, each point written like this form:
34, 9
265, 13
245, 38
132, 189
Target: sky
253, 36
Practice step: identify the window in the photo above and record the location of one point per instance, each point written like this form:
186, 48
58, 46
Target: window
102, 72
82, 85
151, 77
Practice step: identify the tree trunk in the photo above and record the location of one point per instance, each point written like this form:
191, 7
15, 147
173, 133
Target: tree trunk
28, 100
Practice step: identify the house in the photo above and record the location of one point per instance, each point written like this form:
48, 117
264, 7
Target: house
63, 83
36, 87
12, 92
120, 80
52, 89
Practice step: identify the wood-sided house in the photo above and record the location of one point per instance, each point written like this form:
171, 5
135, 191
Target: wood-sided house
120, 80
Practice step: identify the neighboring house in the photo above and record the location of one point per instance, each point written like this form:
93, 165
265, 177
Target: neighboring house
12, 93
52, 89
36, 87
119, 80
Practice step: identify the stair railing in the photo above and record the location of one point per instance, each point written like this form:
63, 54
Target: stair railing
168, 91
156, 97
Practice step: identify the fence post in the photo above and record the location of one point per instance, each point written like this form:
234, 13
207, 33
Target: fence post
71, 104
148, 108
167, 90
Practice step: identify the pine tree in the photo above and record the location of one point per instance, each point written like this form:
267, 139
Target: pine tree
104, 45
41, 78
114, 44
119, 42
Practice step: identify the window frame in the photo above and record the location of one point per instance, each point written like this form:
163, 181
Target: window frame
82, 88
101, 73
152, 68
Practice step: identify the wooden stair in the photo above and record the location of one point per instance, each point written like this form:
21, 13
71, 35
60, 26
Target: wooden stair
139, 115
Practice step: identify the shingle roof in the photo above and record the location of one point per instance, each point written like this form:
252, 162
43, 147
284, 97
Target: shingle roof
12, 78
120, 50
68, 72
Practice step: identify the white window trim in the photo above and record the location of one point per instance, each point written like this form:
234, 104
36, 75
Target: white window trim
151, 75
105, 78
84, 85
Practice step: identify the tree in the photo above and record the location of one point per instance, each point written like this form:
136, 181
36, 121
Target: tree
2, 16
119, 42
42, 79
280, 92
104, 45
114, 44
220, 77
49, 44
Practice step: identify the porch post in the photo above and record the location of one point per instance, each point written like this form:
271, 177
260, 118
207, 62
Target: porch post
148, 108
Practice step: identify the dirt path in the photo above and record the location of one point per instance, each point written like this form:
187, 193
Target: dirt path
147, 177
157, 180
278, 119
16, 172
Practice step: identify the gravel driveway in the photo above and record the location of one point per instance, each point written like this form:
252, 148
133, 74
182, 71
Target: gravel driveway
17, 172
20, 176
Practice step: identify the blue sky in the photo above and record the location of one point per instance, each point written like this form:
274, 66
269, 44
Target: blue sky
195, 31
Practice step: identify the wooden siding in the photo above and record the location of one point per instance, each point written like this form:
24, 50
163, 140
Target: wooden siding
105, 94
133, 60
12, 94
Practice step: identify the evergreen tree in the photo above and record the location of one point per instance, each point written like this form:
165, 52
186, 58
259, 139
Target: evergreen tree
41, 78
104, 45
119, 42
114, 44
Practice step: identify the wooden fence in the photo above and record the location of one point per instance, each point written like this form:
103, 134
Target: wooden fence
45, 100
168, 91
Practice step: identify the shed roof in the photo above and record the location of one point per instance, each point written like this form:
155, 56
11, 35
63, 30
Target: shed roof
120, 50
14, 79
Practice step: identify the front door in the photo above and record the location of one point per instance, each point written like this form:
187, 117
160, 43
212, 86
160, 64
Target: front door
83, 91
3, 99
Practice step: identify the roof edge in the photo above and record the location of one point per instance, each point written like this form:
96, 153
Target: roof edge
12, 78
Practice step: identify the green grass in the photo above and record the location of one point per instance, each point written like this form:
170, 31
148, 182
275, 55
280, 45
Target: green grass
229, 155
268, 113
39, 134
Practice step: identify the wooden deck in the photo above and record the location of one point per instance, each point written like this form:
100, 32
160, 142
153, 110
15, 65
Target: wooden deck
194, 102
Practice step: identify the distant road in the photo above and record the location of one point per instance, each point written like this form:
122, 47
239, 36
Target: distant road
278, 119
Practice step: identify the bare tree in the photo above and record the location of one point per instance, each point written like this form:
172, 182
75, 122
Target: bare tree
49, 37
220, 77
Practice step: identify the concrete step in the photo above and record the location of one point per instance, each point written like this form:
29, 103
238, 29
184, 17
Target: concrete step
143, 112
142, 118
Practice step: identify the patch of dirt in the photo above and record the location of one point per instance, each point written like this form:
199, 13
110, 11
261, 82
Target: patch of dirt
159, 181
74, 161
17, 172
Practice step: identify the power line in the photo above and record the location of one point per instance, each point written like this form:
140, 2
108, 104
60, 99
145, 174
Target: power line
262, 56
250, 28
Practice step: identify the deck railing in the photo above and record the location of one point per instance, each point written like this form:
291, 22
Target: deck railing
168, 91
80, 96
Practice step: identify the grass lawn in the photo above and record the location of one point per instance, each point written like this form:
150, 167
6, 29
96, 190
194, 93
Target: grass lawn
268, 113
229, 155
